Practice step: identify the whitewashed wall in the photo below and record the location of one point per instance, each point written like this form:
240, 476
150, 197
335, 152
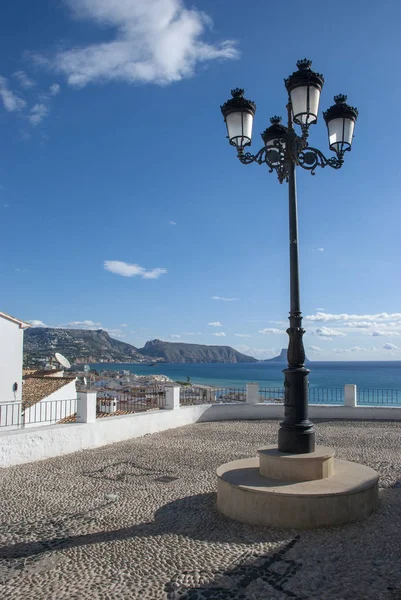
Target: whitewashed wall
29, 445
11, 347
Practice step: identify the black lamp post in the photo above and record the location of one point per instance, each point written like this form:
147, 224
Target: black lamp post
282, 152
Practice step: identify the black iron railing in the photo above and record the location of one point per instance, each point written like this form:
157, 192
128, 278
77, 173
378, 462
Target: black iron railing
193, 395
367, 396
139, 400
321, 395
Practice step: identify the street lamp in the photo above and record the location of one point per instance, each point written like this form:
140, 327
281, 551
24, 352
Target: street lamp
283, 151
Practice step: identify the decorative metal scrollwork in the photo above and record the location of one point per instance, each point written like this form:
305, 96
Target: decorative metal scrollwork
292, 147
310, 158
296, 352
273, 156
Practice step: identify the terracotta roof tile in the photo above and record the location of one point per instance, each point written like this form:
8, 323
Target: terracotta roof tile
35, 389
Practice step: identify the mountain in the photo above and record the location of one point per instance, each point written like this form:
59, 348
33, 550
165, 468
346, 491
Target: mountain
91, 346
281, 358
176, 352
78, 345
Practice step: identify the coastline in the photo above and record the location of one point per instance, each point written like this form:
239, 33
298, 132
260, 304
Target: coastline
372, 374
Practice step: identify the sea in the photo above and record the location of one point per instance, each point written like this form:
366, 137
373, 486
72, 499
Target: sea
367, 375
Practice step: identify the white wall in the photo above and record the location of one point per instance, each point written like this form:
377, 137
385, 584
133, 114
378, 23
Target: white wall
29, 445
11, 346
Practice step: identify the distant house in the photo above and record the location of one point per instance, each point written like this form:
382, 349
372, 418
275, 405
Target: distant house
11, 348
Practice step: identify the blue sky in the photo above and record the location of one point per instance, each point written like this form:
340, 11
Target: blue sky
123, 207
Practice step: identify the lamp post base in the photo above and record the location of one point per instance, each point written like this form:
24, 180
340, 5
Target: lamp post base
296, 440
296, 434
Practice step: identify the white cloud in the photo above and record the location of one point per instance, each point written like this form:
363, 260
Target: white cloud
123, 325
344, 317
389, 346
242, 335
224, 299
37, 323
314, 349
271, 330
23, 79
155, 41
11, 101
215, 324
378, 324
54, 89
219, 334
326, 332
172, 223
192, 333
353, 349
115, 333
320, 249
131, 270
175, 336
379, 332
260, 353
37, 114
320, 309
83, 325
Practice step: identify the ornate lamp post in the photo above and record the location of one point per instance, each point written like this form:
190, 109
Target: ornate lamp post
282, 152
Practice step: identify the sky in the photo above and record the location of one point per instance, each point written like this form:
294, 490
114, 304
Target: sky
123, 207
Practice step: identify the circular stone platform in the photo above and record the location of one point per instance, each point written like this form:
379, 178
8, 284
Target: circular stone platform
349, 494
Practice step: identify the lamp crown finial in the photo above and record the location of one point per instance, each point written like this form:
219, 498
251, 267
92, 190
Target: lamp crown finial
340, 99
275, 120
237, 93
304, 64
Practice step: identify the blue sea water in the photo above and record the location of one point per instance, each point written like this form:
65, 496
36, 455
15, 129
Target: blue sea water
373, 375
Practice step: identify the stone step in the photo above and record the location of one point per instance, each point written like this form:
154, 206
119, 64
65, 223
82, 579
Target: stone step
243, 494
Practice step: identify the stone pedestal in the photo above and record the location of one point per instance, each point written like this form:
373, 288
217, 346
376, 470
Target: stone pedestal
300, 491
296, 467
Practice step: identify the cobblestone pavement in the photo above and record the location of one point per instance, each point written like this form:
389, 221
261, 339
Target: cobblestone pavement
137, 520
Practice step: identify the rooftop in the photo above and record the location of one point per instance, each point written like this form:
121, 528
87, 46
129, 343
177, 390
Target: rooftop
22, 324
35, 388
138, 520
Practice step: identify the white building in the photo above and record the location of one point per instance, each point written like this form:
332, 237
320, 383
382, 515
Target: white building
33, 397
11, 348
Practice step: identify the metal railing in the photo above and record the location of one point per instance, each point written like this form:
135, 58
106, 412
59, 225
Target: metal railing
317, 395
45, 412
140, 400
193, 395
271, 394
367, 396
10, 414
321, 395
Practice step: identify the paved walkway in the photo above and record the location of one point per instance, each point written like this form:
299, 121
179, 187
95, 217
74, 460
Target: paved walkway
137, 520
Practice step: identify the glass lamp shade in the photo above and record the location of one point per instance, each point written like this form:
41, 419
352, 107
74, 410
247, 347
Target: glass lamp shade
340, 120
238, 113
274, 139
304, 87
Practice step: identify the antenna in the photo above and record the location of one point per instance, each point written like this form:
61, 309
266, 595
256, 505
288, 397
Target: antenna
62, 360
